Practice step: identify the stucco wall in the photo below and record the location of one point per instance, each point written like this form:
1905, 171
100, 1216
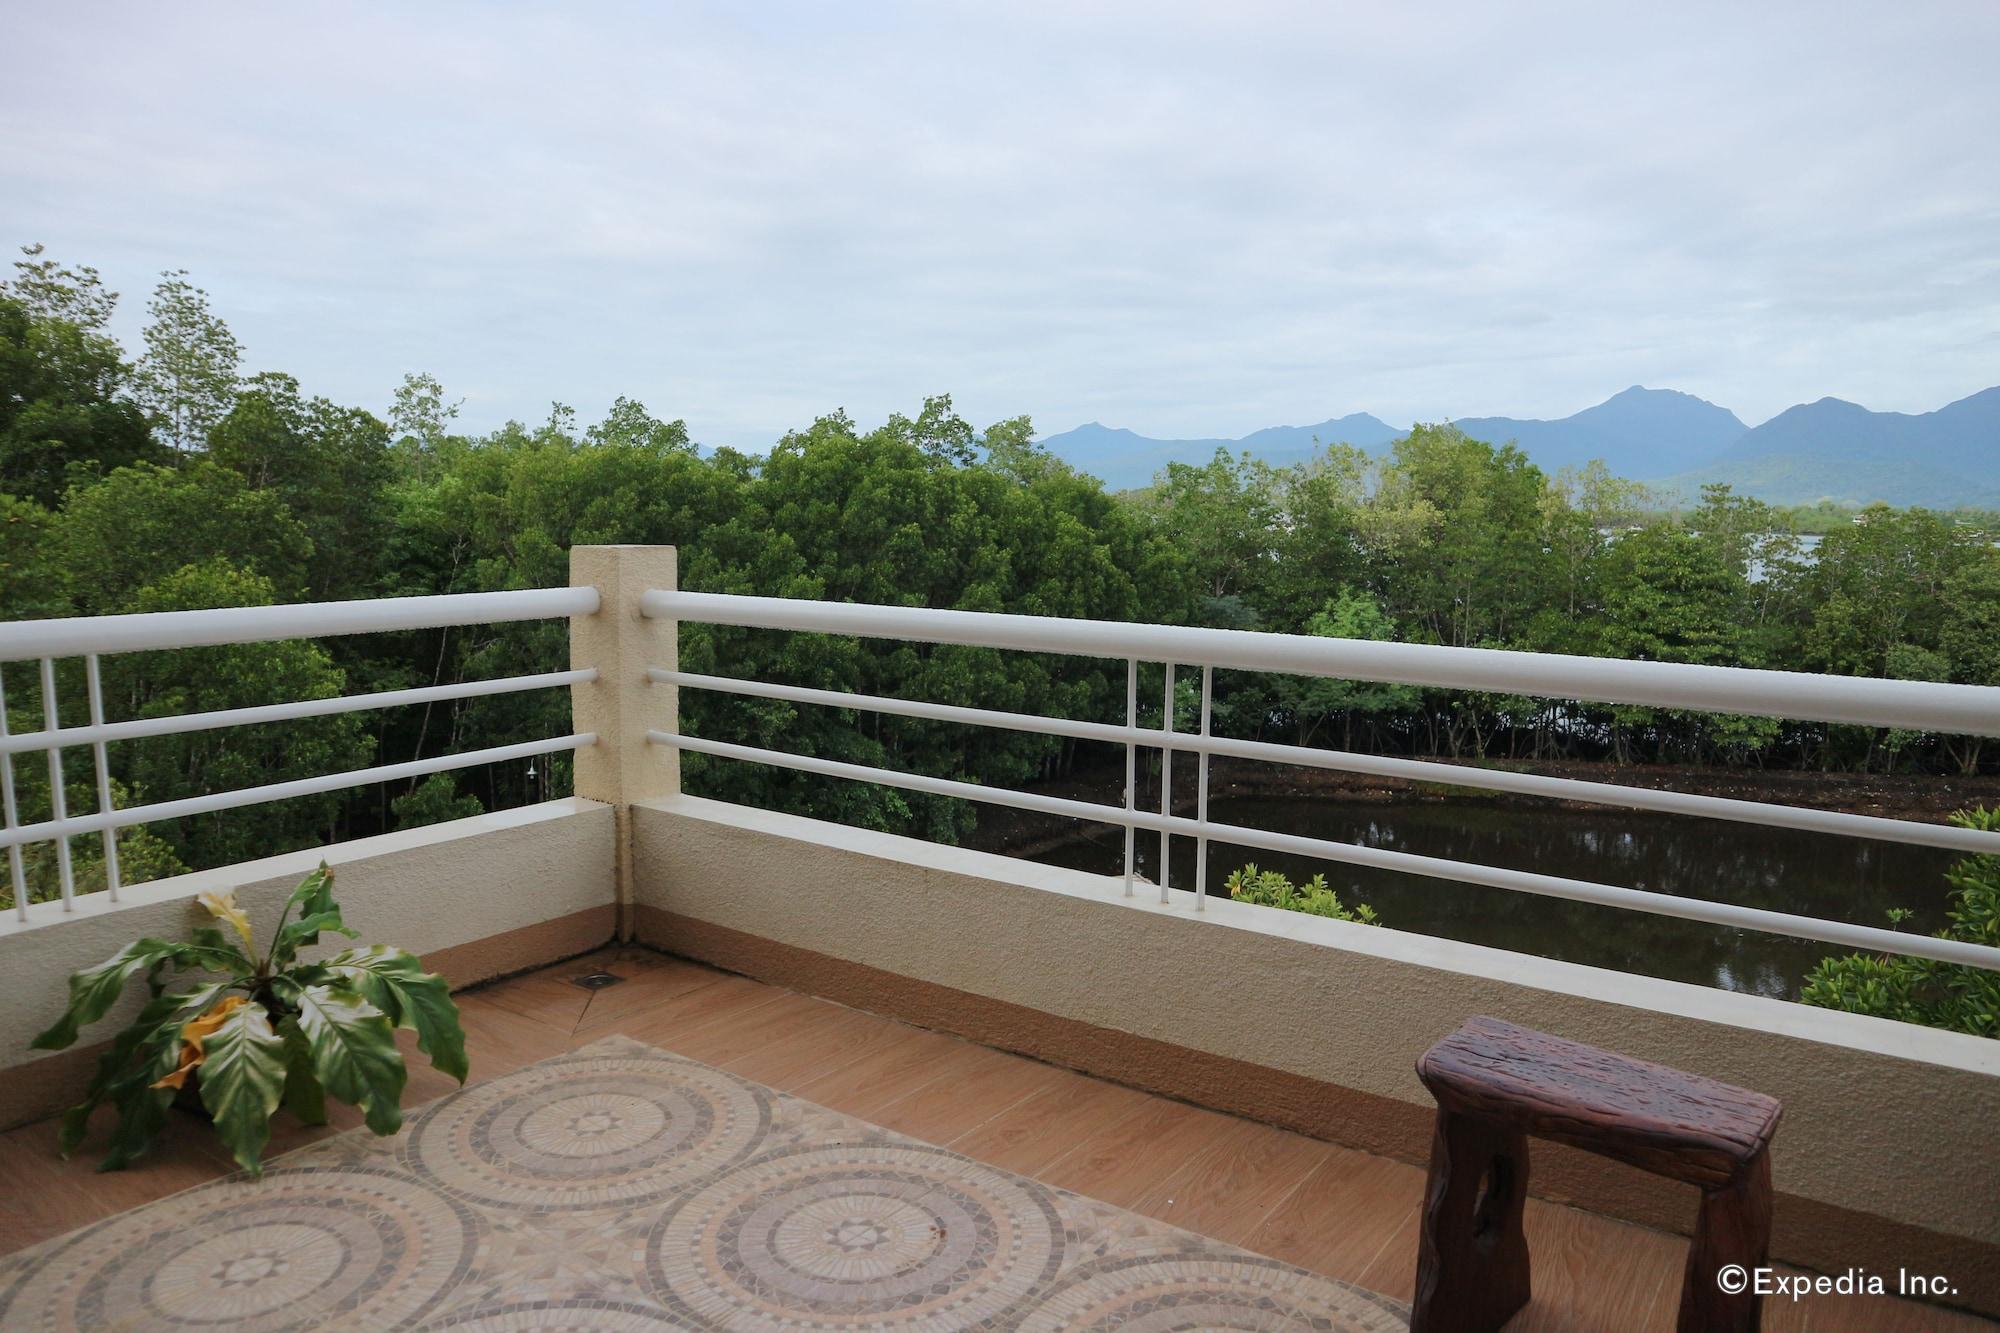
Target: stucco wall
1881, 1119
474, 897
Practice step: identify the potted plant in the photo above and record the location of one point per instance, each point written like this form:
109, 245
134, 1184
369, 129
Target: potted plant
257, 1031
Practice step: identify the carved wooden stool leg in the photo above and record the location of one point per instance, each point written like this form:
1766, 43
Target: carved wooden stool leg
1472, 1256
1734, 1227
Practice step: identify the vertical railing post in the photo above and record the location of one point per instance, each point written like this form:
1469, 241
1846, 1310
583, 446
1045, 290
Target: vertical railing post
1201, 796
96, 682
58, 800
1166, 781
622, 703
1131, 768
17, 873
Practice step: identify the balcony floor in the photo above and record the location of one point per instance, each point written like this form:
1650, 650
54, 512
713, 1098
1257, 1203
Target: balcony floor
1342, 1213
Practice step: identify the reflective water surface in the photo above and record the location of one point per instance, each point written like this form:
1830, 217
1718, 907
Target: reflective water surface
1842, 879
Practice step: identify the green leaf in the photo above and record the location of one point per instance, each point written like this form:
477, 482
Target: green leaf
314, 893
307, 931
317, 912
142, 1114
304, 1097
94, 990
215, 947
142, 1108
132, 1055
354, 1055
226, 959
242, 1079
395, 982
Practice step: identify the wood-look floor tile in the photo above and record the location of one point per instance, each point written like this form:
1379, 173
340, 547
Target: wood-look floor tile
781, 1017
1029, 1135
676, 1017
1834, 1313
1121, 1162
499, 1040
840, 1039
546, 999
632, 999
45, 1195
884, 1076
1228, 1191
976, 1085
1343, 1218
1592, 1273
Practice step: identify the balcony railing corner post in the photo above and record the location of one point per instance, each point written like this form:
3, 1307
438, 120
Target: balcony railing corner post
622, 704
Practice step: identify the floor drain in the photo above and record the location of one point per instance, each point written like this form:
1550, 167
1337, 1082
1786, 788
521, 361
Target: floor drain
595, 980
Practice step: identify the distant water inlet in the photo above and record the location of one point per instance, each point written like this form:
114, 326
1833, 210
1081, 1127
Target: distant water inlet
1837, 878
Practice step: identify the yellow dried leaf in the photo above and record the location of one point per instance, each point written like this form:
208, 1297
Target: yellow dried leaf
196, 1031
222, 906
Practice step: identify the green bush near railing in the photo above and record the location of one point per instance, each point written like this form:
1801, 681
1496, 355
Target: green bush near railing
1918, 990
1270, 888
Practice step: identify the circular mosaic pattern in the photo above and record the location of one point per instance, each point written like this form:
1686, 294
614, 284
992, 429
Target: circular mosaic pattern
886, 1235
608, 1131
586, 1316
1206, 1290
362, 1248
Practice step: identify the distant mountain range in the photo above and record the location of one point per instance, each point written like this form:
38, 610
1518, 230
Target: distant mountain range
1828, 450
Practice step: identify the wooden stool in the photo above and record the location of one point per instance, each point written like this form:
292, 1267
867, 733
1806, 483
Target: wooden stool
1496, 1084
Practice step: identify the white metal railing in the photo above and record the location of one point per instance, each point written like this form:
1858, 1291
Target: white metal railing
1913, 705
90, 637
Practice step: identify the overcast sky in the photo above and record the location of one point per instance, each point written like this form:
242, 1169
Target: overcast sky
1188, 221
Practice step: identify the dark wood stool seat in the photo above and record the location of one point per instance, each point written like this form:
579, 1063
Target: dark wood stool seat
1496, 1084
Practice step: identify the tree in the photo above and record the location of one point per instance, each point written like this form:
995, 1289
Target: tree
1316, 537
937, 431
141, 524
1760, 545
331, 467
435, 800
187, 379
1668, 596
52, 291
1311, 700
629, 423
64, 411
143, 856
1969, 638
34, 578
1464, 521
197, 680
1919, 990
1220, 517
1879, 583
420, 420
1011, 450
1581, 508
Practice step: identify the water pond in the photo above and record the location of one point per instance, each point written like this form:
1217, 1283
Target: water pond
1843, 879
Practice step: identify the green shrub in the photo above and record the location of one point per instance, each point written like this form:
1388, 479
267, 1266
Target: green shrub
1270, 888
1919, 990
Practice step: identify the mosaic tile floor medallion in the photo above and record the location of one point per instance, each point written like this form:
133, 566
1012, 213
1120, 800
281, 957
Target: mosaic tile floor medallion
621, 1187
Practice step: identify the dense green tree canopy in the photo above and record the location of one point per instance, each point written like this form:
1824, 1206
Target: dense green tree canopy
176, 482
65, 413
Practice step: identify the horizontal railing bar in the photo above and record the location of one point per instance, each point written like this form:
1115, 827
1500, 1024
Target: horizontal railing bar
1971, 710
80, 635
49, 830
1910, 831
140, 728
1522, 881
877, 703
